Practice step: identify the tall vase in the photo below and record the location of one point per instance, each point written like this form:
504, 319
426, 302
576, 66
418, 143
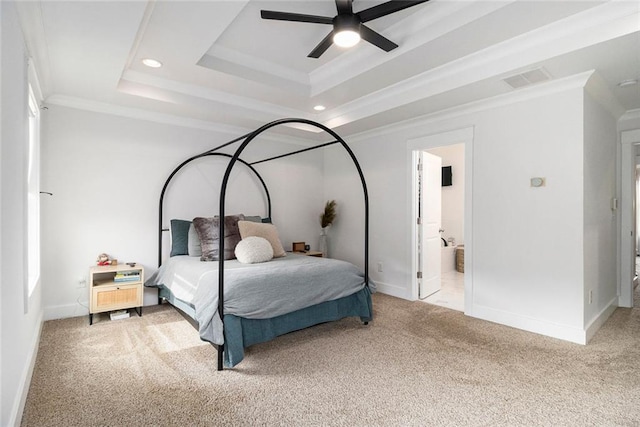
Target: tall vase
322, 245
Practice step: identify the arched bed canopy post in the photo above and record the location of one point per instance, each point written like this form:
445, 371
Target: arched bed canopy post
223, 191
186, 162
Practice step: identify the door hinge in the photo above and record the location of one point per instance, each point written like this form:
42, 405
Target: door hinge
419, 221
419, 166
419, 274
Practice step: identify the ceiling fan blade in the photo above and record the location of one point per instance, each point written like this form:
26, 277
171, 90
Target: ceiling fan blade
345, 7
376, 39
386, 9
322, 46
295, 17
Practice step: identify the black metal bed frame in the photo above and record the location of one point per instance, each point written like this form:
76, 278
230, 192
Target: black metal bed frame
234, 158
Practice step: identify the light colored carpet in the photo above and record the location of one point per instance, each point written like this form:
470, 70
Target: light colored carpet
414, 365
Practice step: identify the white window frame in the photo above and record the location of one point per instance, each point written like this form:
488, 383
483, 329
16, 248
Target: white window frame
33, 197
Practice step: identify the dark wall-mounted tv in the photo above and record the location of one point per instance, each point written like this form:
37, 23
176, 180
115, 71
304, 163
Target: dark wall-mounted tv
446, 176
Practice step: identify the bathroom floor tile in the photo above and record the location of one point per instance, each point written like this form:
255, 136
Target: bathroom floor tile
451, 293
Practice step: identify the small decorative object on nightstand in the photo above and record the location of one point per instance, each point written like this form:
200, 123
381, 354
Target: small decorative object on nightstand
115, 287
298, 247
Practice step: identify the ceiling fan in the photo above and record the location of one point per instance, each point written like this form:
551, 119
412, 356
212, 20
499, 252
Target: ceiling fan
348, 27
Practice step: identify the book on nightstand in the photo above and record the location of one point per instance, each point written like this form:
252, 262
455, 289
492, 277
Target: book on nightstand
128, 276
120, 314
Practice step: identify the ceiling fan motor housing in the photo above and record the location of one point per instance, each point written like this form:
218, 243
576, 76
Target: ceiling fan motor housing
346, 22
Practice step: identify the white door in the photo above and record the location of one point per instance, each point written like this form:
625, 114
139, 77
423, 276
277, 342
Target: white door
429, 214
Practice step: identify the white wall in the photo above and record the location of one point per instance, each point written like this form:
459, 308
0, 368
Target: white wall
106, 174
599, 218
20, 330
527, 268
453, 195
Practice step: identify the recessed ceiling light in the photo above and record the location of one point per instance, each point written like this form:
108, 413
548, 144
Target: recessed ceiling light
153, 63
629, 82
319, 108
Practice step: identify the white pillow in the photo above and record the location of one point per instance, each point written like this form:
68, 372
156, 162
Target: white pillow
193, 243
253, 249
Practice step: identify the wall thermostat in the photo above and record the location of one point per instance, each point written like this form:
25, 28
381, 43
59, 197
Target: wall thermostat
537, 182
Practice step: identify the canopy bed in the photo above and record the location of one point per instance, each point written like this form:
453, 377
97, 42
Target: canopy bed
238, 304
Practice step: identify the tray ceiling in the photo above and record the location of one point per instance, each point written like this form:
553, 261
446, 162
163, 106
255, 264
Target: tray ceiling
224, 67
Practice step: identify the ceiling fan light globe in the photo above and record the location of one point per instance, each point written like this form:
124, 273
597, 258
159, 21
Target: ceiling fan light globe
346, 38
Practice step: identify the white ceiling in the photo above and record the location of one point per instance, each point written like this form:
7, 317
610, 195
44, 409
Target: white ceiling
226, 68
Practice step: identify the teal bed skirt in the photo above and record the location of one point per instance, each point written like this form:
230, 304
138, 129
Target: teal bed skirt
241, 333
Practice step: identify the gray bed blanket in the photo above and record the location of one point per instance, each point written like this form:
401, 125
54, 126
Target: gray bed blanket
256, 291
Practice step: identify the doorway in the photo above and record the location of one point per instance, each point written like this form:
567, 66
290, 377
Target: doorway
442, 205
637, 214
627, 252
442, 244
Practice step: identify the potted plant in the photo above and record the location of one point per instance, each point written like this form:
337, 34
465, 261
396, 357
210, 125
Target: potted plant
326, 219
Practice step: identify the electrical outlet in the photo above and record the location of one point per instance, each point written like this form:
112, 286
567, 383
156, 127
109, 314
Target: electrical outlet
379, 267
590, 297
82, 282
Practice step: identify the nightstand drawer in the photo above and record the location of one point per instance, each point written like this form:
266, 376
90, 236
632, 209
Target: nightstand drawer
116, 297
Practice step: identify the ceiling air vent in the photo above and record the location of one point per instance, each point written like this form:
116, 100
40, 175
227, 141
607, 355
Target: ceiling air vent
527, 78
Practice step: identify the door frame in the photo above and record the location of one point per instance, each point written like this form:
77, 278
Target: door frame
423, 143
626, 248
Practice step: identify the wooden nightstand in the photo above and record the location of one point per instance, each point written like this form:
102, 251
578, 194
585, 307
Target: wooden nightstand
310, 253
115, 287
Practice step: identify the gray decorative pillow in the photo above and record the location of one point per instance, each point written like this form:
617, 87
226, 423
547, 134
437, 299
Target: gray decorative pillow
207, 229
194, 242
255, 218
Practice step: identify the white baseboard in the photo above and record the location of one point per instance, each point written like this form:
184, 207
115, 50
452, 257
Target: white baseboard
602, 317
64, 311
15, 418
542, 327
393, 290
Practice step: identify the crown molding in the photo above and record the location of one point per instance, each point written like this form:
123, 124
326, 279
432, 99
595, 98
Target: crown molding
613, 19
162, 118
165, 89
256, 64
141, 114
531, 92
